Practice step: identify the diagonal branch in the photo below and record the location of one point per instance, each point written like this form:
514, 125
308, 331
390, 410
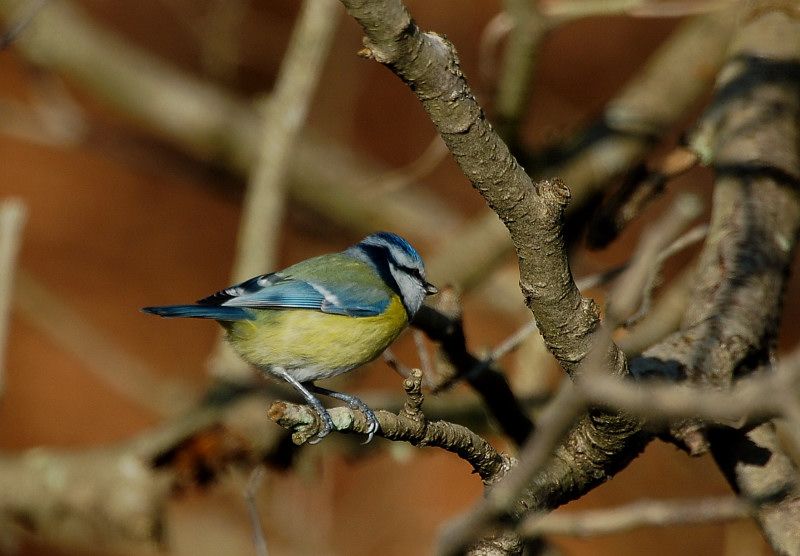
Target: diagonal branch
750, 134
533, 215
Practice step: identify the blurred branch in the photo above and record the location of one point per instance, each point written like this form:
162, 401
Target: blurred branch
398, 179
283, 114
639, 189
107, 360
211, 124
646, 513
565, 10
528, 29
750, 134
735, 303
669, 83
12, 220
19, 21
663, 318
115, 497
631, 124
630, 298
254, 482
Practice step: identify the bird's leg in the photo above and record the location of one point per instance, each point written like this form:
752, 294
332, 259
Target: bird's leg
354, 403
325, 418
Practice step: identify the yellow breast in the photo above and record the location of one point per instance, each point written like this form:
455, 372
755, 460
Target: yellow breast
315, 344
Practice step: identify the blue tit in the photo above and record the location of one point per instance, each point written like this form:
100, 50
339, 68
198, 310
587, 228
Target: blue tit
321, 317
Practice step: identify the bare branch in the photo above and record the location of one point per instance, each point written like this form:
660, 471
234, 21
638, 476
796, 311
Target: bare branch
409, 425
444, 325
211, 124
641, 187
646, 513
20, 21
630, 298
528, 29
532, 214
749, 134
12, 220
575, 9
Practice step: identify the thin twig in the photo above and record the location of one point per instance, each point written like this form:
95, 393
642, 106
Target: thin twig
631, 295
408, 425
645, 513
696, 234
422, 351
254, 483
565, 11
12, 220
398, 179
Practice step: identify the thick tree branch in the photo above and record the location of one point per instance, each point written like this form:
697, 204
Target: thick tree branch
750, 134
533, 215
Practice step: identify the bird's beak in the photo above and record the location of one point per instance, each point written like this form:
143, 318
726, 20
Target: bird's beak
430, 289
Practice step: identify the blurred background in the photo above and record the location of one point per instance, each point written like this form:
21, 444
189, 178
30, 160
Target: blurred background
121, 214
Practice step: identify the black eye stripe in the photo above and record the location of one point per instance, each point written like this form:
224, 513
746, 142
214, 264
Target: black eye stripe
411, 270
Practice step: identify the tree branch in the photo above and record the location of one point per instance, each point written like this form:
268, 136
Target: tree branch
12, 219
409, 425
646, 513
533, 215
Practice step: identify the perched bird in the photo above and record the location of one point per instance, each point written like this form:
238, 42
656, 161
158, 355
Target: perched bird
320, 317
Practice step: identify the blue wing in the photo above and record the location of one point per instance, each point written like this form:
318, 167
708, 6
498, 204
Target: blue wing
291, 292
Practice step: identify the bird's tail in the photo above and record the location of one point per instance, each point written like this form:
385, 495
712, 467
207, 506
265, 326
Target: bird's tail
200, 312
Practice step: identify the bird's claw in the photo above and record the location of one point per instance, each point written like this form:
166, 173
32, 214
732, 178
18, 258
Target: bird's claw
325, 428
372, 423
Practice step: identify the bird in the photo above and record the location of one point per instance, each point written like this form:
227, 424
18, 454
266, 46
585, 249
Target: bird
321, 317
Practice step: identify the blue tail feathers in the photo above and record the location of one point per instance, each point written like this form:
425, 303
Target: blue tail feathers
200, 312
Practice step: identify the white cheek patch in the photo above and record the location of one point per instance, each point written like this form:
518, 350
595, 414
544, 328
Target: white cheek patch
411, 290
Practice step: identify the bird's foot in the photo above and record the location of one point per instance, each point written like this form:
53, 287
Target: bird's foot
372, 422
355, 404
325, 426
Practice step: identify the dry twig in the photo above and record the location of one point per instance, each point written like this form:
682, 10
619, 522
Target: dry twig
646, 513
12, 219
409, 425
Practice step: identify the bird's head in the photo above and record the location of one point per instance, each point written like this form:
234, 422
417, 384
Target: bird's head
399, 265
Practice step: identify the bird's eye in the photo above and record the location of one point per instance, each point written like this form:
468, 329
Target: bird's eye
415, 272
